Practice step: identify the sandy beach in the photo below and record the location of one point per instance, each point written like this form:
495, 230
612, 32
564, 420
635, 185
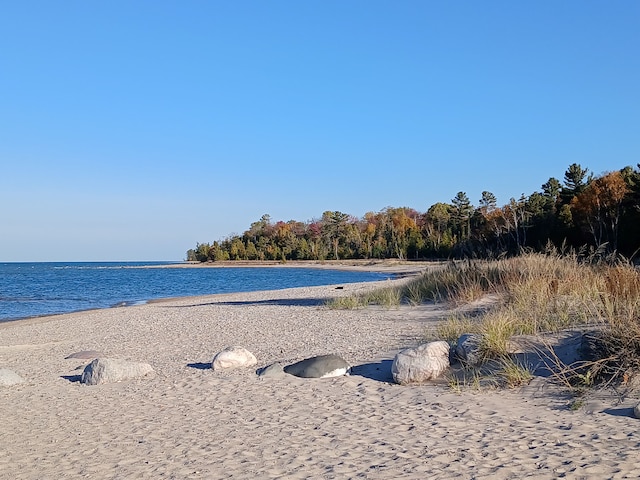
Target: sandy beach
189, 422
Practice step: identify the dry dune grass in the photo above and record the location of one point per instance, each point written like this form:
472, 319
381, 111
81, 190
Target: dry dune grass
534, 294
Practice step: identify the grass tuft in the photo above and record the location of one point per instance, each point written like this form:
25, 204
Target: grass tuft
514, 374
538, 293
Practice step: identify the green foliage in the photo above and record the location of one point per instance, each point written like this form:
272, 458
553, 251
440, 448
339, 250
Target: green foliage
596, 212
513, 373
386, 297
575, 179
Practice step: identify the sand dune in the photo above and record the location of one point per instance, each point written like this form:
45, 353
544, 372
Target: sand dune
188, 421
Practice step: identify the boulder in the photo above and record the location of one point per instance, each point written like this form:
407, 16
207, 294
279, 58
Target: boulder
636, 411
109, 370
9, 377
233, 357
323, 366
417, 365
468, 349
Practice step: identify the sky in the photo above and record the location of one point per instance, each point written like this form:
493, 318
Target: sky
131, 131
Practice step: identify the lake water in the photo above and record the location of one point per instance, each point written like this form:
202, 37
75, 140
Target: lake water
36, 289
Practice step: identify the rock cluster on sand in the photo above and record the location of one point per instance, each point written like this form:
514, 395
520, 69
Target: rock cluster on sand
9, 377
233, 357
109, 370
417, 365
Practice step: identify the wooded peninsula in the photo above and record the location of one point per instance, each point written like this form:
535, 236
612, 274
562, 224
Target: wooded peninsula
584, 212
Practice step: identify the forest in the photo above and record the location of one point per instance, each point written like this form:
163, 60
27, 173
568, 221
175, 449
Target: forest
583, 212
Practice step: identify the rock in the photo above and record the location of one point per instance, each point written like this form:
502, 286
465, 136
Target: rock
275, 370
323, 366
636, 411
109, 370
417, 365
233, 357
9, 378
468, 349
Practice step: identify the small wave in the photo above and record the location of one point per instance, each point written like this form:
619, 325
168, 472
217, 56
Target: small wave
19, 299
130, 303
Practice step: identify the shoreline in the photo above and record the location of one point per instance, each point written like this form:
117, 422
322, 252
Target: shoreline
188, 421
364, 265
399, 269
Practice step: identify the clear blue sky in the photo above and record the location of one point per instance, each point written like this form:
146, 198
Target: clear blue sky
132, 130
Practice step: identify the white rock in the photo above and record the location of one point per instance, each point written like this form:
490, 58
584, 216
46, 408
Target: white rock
233, 357
417, 365
109, 370
9, 377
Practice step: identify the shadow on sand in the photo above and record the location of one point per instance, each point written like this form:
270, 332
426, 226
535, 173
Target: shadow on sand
282, 302
619, 412
200, 366
378, 371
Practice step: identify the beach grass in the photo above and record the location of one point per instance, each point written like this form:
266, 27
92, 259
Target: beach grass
532, 294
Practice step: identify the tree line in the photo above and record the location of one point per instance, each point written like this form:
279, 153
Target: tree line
601, 212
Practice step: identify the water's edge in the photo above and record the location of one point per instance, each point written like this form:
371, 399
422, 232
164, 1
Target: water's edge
31, 291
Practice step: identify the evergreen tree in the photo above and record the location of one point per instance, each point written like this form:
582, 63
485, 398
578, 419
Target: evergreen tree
334, 227
488, 202
575, 181
552, 189
461, 215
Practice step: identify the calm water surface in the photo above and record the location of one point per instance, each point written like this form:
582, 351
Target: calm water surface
35, 289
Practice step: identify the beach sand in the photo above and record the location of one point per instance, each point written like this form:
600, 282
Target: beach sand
190, 422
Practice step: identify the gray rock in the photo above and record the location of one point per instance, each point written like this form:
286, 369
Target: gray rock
275, 370
9, 378
323, 366
109, 370
636, 411
233, 357
420, 364
468, 349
